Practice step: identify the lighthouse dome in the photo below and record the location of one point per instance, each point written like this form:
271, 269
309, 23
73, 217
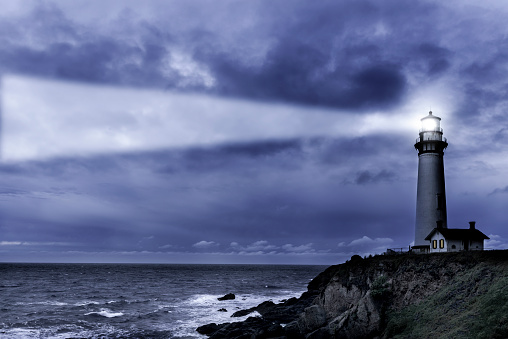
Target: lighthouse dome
431, 123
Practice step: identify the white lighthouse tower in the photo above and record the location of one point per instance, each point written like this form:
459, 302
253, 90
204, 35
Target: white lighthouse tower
431, 196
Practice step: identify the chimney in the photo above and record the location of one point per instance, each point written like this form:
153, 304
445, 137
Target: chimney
439, 224
471, 225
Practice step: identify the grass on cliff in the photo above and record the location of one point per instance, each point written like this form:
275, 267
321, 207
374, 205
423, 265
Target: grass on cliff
473, 305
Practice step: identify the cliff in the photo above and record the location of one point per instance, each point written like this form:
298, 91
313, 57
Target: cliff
446, 295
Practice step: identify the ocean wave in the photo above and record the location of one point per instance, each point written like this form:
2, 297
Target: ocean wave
86, 303
48, 303
104, 312
64, 331
139, 301
20, 333
116, 302
204, 299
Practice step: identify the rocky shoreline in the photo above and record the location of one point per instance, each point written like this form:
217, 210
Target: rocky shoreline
364, 298
271, 322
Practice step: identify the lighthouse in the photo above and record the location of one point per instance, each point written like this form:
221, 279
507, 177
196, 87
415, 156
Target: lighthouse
431, 195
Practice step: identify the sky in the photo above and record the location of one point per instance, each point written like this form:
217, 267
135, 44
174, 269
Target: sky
272, 132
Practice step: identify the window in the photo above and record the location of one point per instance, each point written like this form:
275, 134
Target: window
439, 201
453, 247
434, 244
441, 243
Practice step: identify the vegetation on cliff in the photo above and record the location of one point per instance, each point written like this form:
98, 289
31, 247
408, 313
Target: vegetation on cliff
445, 295
473, 304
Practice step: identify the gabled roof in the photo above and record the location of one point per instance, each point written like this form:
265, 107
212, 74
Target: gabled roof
458, 234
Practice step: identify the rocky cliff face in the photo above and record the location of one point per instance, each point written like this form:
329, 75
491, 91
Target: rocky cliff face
408, 296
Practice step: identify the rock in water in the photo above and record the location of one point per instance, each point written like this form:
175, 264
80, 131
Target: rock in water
208, 329
229, 296
242, 313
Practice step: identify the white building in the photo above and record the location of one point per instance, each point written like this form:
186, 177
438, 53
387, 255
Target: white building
456, 239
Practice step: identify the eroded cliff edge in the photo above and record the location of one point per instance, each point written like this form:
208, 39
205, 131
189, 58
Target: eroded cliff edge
446, 295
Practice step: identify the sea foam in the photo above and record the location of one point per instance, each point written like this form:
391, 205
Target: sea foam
104, 312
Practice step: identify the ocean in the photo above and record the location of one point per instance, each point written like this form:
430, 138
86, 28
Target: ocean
136, 300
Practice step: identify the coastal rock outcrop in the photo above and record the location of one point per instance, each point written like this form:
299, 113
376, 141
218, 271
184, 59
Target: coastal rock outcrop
404, 295
208, 329
229, 296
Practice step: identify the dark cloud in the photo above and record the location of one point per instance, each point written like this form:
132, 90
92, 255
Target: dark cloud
74, 52
482, 80
366, 177
487, 70
311, 62
499, 190
437, 57
331, 54
294, 72
264, 148
501, 135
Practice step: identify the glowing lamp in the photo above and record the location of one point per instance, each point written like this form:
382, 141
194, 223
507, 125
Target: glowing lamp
430, 123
